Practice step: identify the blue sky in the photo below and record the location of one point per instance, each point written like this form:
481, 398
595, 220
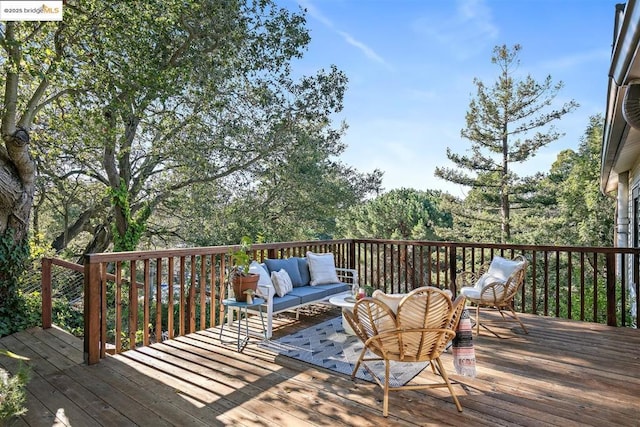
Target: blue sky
411, 65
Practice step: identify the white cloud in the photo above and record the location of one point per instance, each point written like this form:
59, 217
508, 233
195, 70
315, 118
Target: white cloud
368, 51
315, 13
465, 33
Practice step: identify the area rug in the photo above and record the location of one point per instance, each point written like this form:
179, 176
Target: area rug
328, 346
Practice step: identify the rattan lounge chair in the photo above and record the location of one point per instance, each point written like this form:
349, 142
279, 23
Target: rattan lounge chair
419, 331
493, 286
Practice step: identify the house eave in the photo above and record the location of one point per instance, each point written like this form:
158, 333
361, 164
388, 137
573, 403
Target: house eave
625, 66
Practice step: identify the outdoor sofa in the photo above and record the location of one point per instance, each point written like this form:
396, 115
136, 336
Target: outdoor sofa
314, 279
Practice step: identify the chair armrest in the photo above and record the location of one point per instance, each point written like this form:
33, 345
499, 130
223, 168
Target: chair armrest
347, 275
494, 291
466, 278
469, 278
267, 291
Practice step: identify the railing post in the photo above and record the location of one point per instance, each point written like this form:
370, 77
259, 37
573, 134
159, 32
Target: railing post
352, 254
45, 284
92, 307
611, 289
452, 270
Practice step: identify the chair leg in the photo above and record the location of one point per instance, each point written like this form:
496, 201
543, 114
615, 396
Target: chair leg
355, 369
445, 377
515, 316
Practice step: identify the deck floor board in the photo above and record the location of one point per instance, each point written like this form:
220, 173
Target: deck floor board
565, 373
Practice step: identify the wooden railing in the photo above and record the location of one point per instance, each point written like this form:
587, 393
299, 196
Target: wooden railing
176, 291
584, 283
179, 291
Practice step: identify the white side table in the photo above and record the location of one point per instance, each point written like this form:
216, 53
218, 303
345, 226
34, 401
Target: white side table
346, 301
242, 307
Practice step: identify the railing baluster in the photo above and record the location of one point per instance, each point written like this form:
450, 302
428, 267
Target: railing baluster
170, 320
133, 305
191, 303
146, 303
203, 292
158, 299
183, 300
118, 307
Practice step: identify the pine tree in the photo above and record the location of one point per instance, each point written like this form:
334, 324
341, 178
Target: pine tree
507, 124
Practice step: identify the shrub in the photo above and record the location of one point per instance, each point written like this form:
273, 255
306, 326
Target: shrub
13, 390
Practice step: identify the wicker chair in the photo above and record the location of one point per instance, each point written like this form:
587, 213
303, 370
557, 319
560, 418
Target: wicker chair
424, 324
493, 286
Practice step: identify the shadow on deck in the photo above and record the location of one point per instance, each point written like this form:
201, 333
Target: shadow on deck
562, 373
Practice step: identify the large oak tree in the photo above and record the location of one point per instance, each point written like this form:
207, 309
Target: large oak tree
131, 105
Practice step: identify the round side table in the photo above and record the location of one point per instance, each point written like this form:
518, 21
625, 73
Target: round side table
241, 307
346, 301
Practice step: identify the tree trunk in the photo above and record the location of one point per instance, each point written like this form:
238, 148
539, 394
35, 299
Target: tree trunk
17, 175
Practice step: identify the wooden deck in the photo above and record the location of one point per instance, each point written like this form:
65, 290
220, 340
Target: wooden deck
563, 373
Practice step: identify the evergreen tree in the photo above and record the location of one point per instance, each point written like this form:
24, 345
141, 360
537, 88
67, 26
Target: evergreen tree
401, 214
577, 213
506, 124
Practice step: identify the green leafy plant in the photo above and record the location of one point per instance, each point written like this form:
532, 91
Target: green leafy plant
13, 260
13, 389
241, 258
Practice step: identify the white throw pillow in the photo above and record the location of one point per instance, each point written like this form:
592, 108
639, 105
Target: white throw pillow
391, 300
265, 279
322, 268
502, 268
281, 282
499, 270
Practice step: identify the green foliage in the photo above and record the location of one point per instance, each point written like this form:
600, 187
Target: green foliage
13, 393
199, 129
67, 317
507, 124
241, 258
134, 227
14, 257
402, 214
574, 212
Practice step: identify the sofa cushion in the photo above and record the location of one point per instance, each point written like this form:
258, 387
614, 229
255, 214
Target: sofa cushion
303, 266
281, 282
285, 302
322, 268
290, 265
334, 288
474, 293
309, 293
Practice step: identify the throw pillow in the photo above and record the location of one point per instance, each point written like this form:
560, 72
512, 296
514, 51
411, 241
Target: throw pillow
391, 300
322, 268
303, 266
499, 270
281, 282
290, 265
257, 268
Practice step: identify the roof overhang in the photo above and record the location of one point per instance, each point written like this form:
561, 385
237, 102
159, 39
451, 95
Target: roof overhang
621, 143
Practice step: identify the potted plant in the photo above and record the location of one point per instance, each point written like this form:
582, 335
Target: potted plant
240, 277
